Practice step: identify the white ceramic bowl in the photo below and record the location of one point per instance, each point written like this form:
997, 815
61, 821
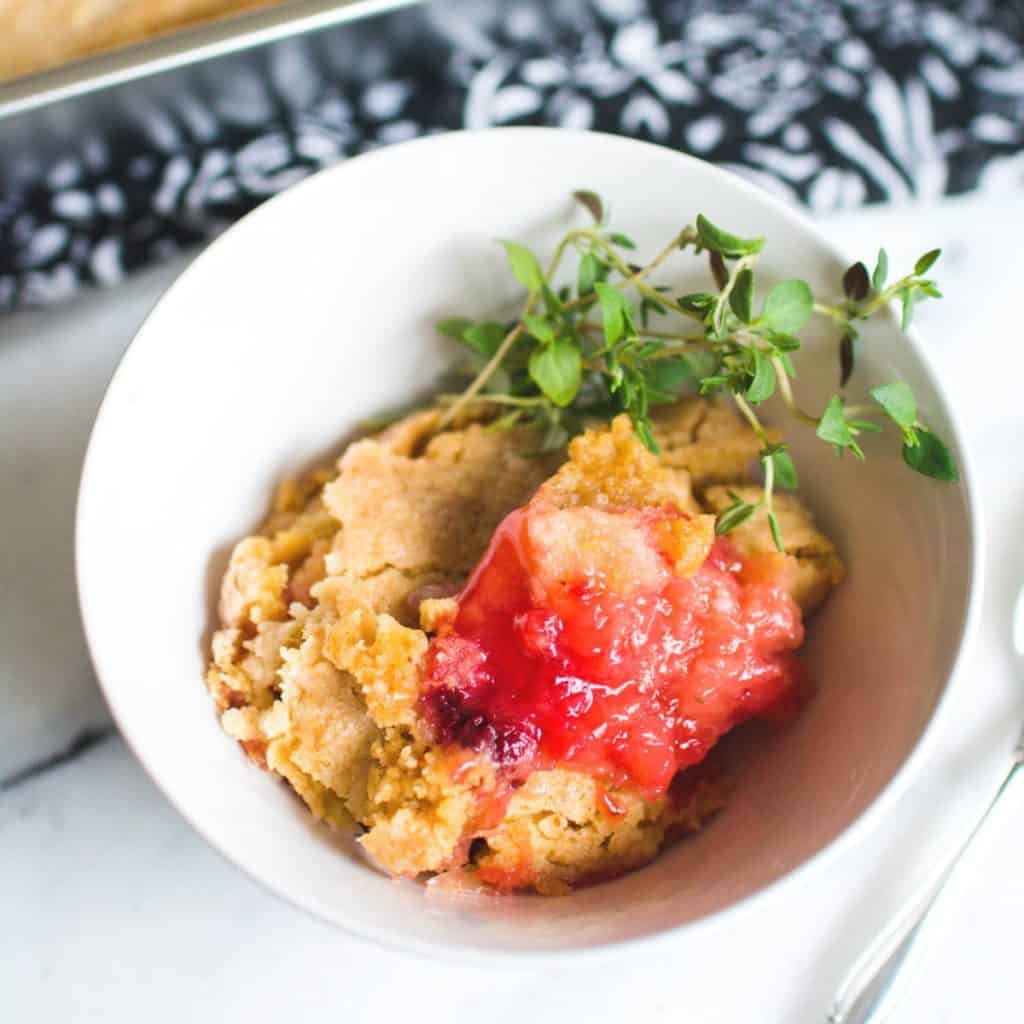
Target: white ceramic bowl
315, 312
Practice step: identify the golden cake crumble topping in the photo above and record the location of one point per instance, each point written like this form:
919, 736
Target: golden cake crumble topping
336, 615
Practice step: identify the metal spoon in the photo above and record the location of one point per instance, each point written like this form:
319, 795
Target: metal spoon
867, 993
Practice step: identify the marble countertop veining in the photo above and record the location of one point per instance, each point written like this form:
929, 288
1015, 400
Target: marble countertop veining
113, 907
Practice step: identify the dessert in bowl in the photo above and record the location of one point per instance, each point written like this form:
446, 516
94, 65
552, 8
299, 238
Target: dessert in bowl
546, 722
280, 342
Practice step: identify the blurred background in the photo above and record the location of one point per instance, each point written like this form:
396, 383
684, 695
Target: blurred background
108, 167
129, 139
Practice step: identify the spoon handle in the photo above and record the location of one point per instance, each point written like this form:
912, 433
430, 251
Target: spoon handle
875, 973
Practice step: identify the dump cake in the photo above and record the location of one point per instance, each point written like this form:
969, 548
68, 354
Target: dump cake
510, 665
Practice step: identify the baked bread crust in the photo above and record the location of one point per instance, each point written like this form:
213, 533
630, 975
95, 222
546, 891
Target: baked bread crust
41, 34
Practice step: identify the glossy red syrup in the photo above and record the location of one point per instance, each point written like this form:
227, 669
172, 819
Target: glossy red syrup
541, 669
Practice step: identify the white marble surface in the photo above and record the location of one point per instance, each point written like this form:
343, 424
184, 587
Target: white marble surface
114, 910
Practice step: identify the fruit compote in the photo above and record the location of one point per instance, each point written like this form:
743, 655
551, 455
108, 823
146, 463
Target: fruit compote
623, 642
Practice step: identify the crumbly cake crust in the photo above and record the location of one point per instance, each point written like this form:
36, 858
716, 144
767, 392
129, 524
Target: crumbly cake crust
325, 620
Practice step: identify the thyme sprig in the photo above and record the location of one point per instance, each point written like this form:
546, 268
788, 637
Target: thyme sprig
613, 341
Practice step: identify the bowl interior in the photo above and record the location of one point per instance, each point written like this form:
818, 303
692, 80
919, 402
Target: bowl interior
316, 312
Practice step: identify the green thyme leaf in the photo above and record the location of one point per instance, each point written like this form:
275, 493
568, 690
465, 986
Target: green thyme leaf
783, 342
931, 457
702, 364
699, 303
589, 274
642, 426
556, 369
552, 301
485, 337
615, 309
453, 327
649, 305
539, 327
787, 364
782, 467
580, 355
741, 298
666, 379
926, 262
592, 202
643, 350
898, 402
713, 384
735, 515
524, 266
881, 271
909, 298
716, 240
788, 306
857, 426
762, 385
773, 525
834, 428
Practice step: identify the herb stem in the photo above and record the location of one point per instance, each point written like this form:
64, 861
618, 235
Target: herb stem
684, 238
689, 340
569, 239
751, 417
884, 297
636, 278
519, 402
866, 309
832, 312
786, 391
481, 379
769, 483
484, 375
723, 298
560, 366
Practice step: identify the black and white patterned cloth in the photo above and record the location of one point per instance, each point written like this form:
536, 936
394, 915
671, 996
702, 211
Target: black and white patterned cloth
831, 102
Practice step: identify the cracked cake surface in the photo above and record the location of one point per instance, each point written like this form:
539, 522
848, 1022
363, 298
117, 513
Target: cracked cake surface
335, 615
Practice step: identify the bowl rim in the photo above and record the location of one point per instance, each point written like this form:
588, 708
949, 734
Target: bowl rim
856, 832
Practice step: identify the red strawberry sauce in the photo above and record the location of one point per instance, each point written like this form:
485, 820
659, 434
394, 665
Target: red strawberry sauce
633, 686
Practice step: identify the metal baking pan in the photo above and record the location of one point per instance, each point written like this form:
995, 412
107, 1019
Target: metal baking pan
44, 113
182, 47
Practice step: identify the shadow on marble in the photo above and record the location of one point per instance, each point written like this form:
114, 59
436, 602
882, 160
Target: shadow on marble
54, 369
